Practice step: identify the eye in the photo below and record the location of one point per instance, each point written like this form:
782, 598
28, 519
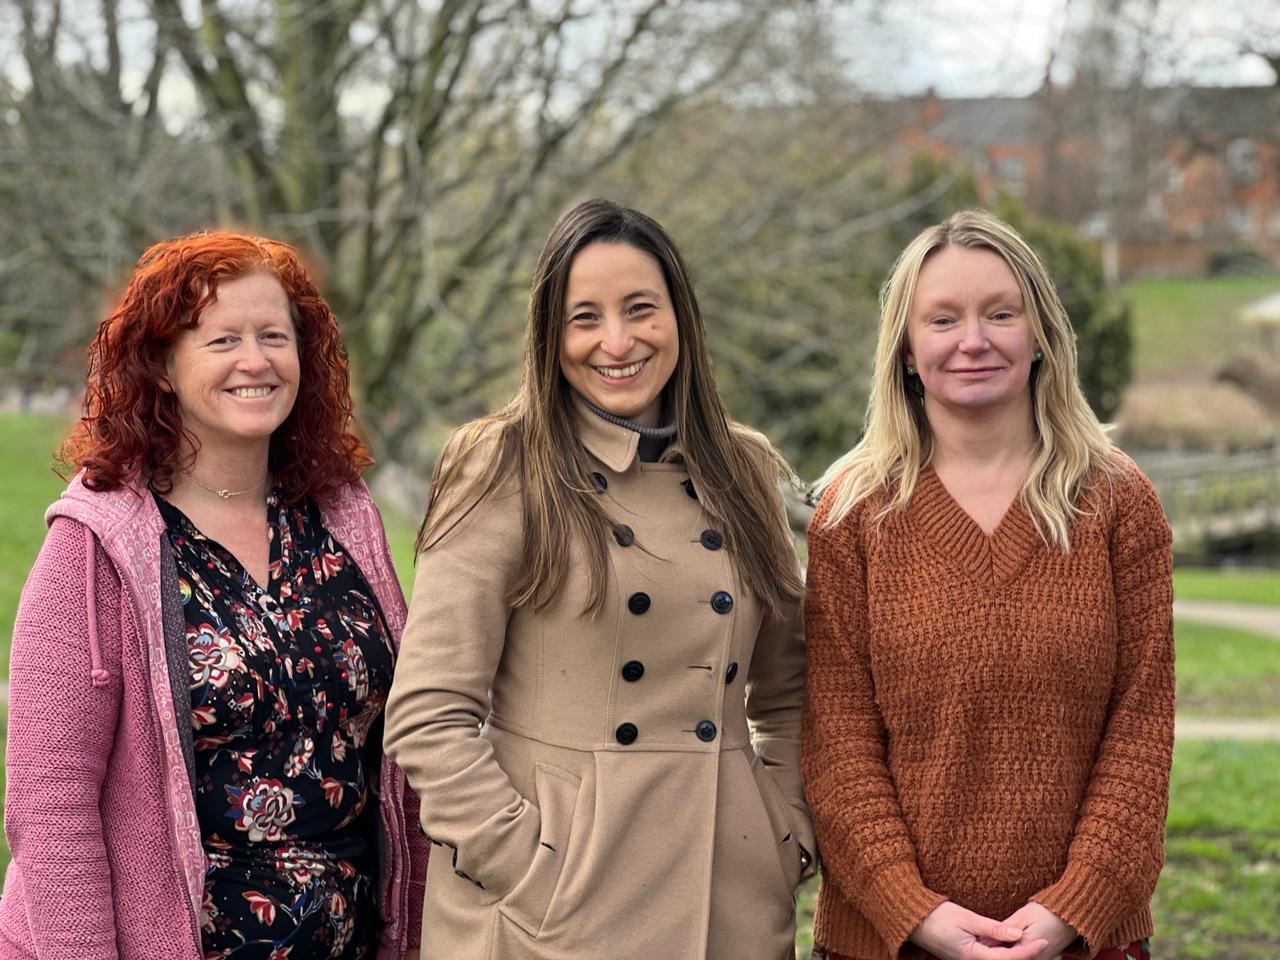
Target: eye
941, 321
642, 307
222, 341
276, 336
583, 317
1002, 315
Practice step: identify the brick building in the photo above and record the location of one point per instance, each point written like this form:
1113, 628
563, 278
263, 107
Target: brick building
1165, 178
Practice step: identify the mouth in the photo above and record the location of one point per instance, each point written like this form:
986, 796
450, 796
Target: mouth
626, 372
251, 393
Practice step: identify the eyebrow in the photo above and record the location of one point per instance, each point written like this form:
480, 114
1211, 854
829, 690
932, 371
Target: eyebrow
1010, 295
633, 295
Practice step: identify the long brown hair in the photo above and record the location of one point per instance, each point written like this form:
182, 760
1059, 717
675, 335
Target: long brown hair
132, 427
735, 472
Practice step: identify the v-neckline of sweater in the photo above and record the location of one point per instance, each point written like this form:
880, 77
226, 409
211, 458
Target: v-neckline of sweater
994, 558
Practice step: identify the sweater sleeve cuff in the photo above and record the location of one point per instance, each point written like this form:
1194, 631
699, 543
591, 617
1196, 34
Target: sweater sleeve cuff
1090, 902
896, 902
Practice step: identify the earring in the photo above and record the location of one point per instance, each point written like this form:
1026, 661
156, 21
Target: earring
911, 369
1039, 354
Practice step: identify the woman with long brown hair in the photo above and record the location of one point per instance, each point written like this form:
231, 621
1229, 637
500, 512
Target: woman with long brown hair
600, 686
205, 644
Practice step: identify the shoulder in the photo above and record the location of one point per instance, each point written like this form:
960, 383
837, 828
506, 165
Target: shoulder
476, 480
1120, 488
750, 438
351, 505
70, 554
109, 513
68, 541
1120, 509
756, 447
353, 495
473, 449
834, 517
757, 454
827, 536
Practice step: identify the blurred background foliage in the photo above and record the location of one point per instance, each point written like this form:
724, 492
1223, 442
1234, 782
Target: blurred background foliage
418, 152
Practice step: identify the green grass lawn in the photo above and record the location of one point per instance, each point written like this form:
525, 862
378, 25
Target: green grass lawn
1191, 326
1220, 893
1226, 673
400, 535
30, 485
1227, 586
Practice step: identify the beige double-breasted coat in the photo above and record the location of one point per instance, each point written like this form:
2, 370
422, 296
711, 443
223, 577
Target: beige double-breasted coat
590, 782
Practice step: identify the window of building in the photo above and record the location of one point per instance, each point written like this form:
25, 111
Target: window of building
1242, 161
1153, 211
1096, 225
1013, 173
1239, 223
1273, 223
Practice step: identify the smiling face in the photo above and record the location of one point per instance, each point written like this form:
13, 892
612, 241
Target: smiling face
619, 343
968, 334
235, 374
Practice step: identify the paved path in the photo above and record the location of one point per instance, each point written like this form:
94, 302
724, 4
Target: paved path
1206, 728
1242, 616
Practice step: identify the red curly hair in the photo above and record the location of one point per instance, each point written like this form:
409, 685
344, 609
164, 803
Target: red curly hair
132, 427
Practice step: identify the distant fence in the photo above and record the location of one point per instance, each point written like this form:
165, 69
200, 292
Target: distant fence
1226, 500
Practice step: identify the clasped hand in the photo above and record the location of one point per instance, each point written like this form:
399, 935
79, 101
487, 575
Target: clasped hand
950, 932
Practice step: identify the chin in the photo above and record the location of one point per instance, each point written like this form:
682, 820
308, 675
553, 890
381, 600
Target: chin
255, 431
630, 412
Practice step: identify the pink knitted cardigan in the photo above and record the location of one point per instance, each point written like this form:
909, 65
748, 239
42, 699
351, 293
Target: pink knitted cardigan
107, 859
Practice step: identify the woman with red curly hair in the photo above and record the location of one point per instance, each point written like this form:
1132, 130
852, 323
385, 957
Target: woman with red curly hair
205, 644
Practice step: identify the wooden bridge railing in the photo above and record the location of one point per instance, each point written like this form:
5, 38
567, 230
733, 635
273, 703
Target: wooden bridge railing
1226, 499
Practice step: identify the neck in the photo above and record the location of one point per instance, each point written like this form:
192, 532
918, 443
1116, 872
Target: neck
240, 470
646, 424
992, 438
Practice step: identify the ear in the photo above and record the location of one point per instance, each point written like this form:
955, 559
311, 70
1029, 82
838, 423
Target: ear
166, 384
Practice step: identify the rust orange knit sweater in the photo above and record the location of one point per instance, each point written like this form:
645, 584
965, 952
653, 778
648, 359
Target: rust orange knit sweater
988, 719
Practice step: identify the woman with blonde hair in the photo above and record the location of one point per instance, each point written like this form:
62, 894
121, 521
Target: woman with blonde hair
989, 711
599, 692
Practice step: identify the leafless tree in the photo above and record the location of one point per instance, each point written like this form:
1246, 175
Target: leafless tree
416, 148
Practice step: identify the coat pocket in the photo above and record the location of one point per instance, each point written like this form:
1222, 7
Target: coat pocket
778, 809
557, 795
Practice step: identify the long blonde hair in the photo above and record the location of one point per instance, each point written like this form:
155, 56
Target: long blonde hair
735, 473
897, 443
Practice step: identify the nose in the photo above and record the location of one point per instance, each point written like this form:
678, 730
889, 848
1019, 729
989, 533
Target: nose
617, 340
973, 337
251, 357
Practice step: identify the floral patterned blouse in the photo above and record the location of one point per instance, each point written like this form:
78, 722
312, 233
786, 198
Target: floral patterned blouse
287, 683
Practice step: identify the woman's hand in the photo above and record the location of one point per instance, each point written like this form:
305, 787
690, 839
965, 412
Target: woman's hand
1040, 923
950, 932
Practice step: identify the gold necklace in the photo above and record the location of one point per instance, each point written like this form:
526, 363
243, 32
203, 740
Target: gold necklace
224, 493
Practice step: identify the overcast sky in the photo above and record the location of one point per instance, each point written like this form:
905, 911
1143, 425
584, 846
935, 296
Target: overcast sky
957, 47
1000, 47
